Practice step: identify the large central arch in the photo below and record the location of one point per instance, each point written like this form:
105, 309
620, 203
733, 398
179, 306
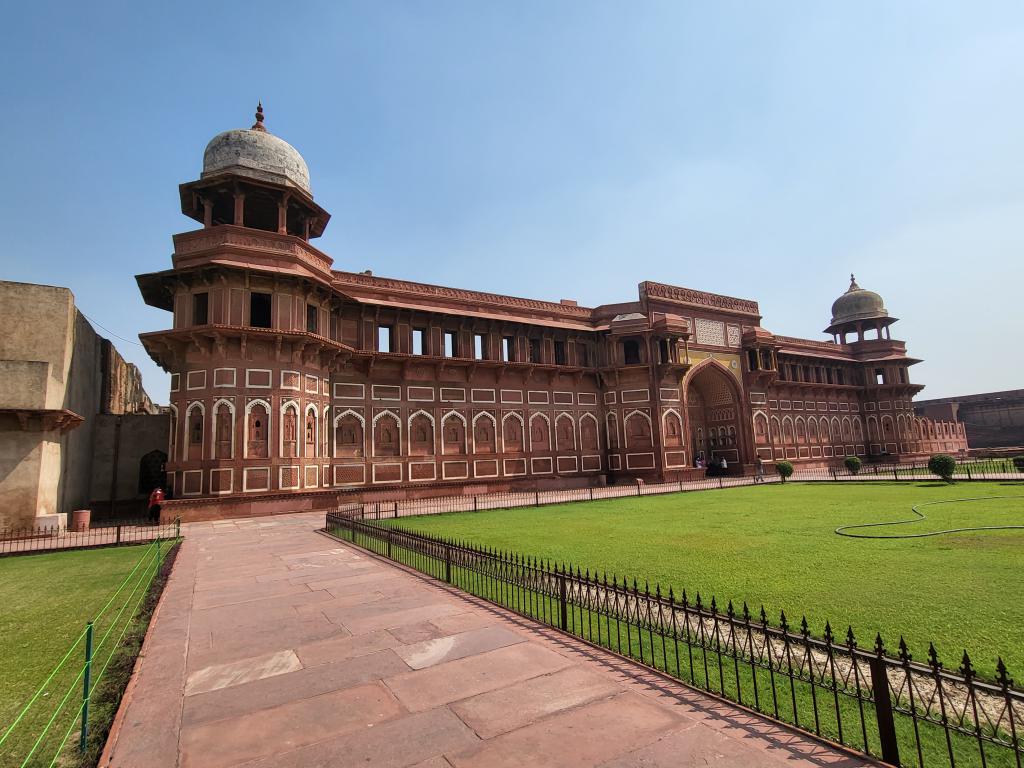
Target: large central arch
713, 405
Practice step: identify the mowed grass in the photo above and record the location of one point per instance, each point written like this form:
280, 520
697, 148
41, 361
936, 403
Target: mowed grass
45, 602
775, 546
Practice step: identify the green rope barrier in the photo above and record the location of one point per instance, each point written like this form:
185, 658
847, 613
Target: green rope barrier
919, 516
42, 688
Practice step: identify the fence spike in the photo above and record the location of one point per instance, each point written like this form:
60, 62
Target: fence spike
746, 612
782, 621
966, 668
850, 641
828, 632
933, 658
904, 654
696, 602
729, 610
764, 616
671, 596
804, 630
879, 646
1001, 675
714, 606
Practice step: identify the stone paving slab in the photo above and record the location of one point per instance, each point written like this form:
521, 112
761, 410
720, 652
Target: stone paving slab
275, 645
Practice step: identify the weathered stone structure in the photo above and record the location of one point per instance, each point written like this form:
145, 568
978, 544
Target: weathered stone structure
992, 419
295, 384
56, 377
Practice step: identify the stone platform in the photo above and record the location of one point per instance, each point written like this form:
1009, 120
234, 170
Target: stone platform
275, 645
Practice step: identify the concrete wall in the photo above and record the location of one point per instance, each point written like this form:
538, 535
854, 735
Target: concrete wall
120, 443
51, 360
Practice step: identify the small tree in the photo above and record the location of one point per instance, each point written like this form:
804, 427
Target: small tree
852, 464
943, 465
784, 468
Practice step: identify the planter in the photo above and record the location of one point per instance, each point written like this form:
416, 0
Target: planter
80, 519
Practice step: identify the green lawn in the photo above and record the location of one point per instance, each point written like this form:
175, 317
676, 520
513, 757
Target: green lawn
774, 545
45, 602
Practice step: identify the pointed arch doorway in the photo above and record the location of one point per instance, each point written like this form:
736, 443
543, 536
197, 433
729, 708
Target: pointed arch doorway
712, 401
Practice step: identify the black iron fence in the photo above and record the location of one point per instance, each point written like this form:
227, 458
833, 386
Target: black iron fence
47, 539
886, 706
376, 510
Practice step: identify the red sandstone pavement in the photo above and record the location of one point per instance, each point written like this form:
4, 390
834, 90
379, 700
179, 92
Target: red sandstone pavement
277, 646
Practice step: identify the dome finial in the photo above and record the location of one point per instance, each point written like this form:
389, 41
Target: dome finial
258, 125
853, 284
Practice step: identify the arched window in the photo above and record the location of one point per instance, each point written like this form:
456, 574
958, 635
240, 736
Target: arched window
823, 430
224, 424
776, 430
801, 431
787, 431
638, 430
196, 433
484, 429
453, 433
589, 440
565, 433
348, 434
289, 431
761, 429
421, 434
540, 433
257, 430
311, 424
673, 432
512, 432
386, 434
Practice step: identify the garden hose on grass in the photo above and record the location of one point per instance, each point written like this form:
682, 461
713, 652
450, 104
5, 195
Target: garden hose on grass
919, 516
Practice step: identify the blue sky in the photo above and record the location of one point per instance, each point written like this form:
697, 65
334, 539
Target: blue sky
552, 150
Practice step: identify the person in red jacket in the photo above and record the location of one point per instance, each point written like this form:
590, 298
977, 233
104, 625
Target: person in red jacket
156, 498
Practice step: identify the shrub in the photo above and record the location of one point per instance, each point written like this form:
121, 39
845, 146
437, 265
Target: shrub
1018, 462
852, 463
943, 465
784, 468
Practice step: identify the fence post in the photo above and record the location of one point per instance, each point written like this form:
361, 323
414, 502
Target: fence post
719, 481
591, 493
118, 534
475, 506
389, 543
968, 468
536, 500
87, 682
564, 608
177, 527
895, 473
448, 563
883, 708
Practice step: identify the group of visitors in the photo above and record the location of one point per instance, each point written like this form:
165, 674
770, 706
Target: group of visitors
714, 467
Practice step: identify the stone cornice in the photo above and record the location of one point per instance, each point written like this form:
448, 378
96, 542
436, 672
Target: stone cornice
694, 298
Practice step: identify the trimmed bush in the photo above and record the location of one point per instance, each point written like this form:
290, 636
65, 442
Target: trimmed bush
784, 468
852, 463
943, 465
1018, 462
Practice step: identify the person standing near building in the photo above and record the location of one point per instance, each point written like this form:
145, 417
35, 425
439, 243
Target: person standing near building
759, 470
156, 498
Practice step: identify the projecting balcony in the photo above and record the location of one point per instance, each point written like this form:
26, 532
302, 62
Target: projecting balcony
249, 248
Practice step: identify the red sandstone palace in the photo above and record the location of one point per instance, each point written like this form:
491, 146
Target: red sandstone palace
293, 383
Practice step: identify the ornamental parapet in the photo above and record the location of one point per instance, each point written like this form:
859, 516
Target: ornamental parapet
694, 298
255, 246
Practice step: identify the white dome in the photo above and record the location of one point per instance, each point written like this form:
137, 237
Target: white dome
257, 154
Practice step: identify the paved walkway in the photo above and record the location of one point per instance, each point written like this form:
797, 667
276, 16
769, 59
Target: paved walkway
277, 646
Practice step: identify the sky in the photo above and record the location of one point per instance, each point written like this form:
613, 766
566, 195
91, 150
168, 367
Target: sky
553, 150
